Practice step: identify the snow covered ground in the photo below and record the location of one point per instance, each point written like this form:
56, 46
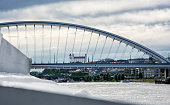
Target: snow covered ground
32, 83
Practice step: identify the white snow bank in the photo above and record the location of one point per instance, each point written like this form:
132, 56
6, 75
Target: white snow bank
31, 83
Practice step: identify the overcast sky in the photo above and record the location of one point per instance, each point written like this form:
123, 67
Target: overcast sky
144, 21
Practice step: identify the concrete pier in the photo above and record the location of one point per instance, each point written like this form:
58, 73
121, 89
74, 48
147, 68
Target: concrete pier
11, 59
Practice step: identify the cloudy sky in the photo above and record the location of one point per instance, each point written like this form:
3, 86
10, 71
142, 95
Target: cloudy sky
144, 21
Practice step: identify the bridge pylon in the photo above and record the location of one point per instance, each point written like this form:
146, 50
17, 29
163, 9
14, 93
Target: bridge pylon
167, 72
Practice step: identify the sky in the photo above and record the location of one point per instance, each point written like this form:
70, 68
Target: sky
144, 21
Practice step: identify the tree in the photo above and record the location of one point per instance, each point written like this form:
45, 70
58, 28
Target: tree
140, 75
109, 77
115, 77
119, 77
104, 76
122, 77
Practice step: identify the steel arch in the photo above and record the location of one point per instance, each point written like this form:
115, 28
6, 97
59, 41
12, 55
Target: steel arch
101, 32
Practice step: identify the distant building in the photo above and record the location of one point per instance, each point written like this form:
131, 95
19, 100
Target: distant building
77, 59
136, 71
127, 71
152, 73
94, 72
138, 60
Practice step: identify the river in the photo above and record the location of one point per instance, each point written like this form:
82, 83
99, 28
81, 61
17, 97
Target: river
140, 93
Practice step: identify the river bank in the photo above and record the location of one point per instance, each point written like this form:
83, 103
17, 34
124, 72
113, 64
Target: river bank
131, 80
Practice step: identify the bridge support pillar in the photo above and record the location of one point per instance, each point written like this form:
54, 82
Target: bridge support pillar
167, 72
11, 59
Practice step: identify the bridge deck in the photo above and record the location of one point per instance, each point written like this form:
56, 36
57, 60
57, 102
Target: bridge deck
101, 65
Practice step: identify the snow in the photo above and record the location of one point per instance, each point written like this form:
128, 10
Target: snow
32, 83
29, 82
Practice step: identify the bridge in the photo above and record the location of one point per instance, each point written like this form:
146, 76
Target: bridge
65, 45
100, 65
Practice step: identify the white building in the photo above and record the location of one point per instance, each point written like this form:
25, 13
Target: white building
152, 73
74, 59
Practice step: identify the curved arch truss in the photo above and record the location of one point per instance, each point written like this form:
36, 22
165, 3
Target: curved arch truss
54, 42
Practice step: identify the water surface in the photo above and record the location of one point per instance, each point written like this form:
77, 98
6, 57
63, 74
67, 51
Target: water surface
141, 93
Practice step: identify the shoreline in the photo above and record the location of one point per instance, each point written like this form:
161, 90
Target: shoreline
128, 81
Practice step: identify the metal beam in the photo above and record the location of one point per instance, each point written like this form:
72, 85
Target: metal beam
101, 65
94, 30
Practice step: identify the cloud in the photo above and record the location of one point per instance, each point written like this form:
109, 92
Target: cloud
144, 21
6, 5
97, 8
155, 37
92, 12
